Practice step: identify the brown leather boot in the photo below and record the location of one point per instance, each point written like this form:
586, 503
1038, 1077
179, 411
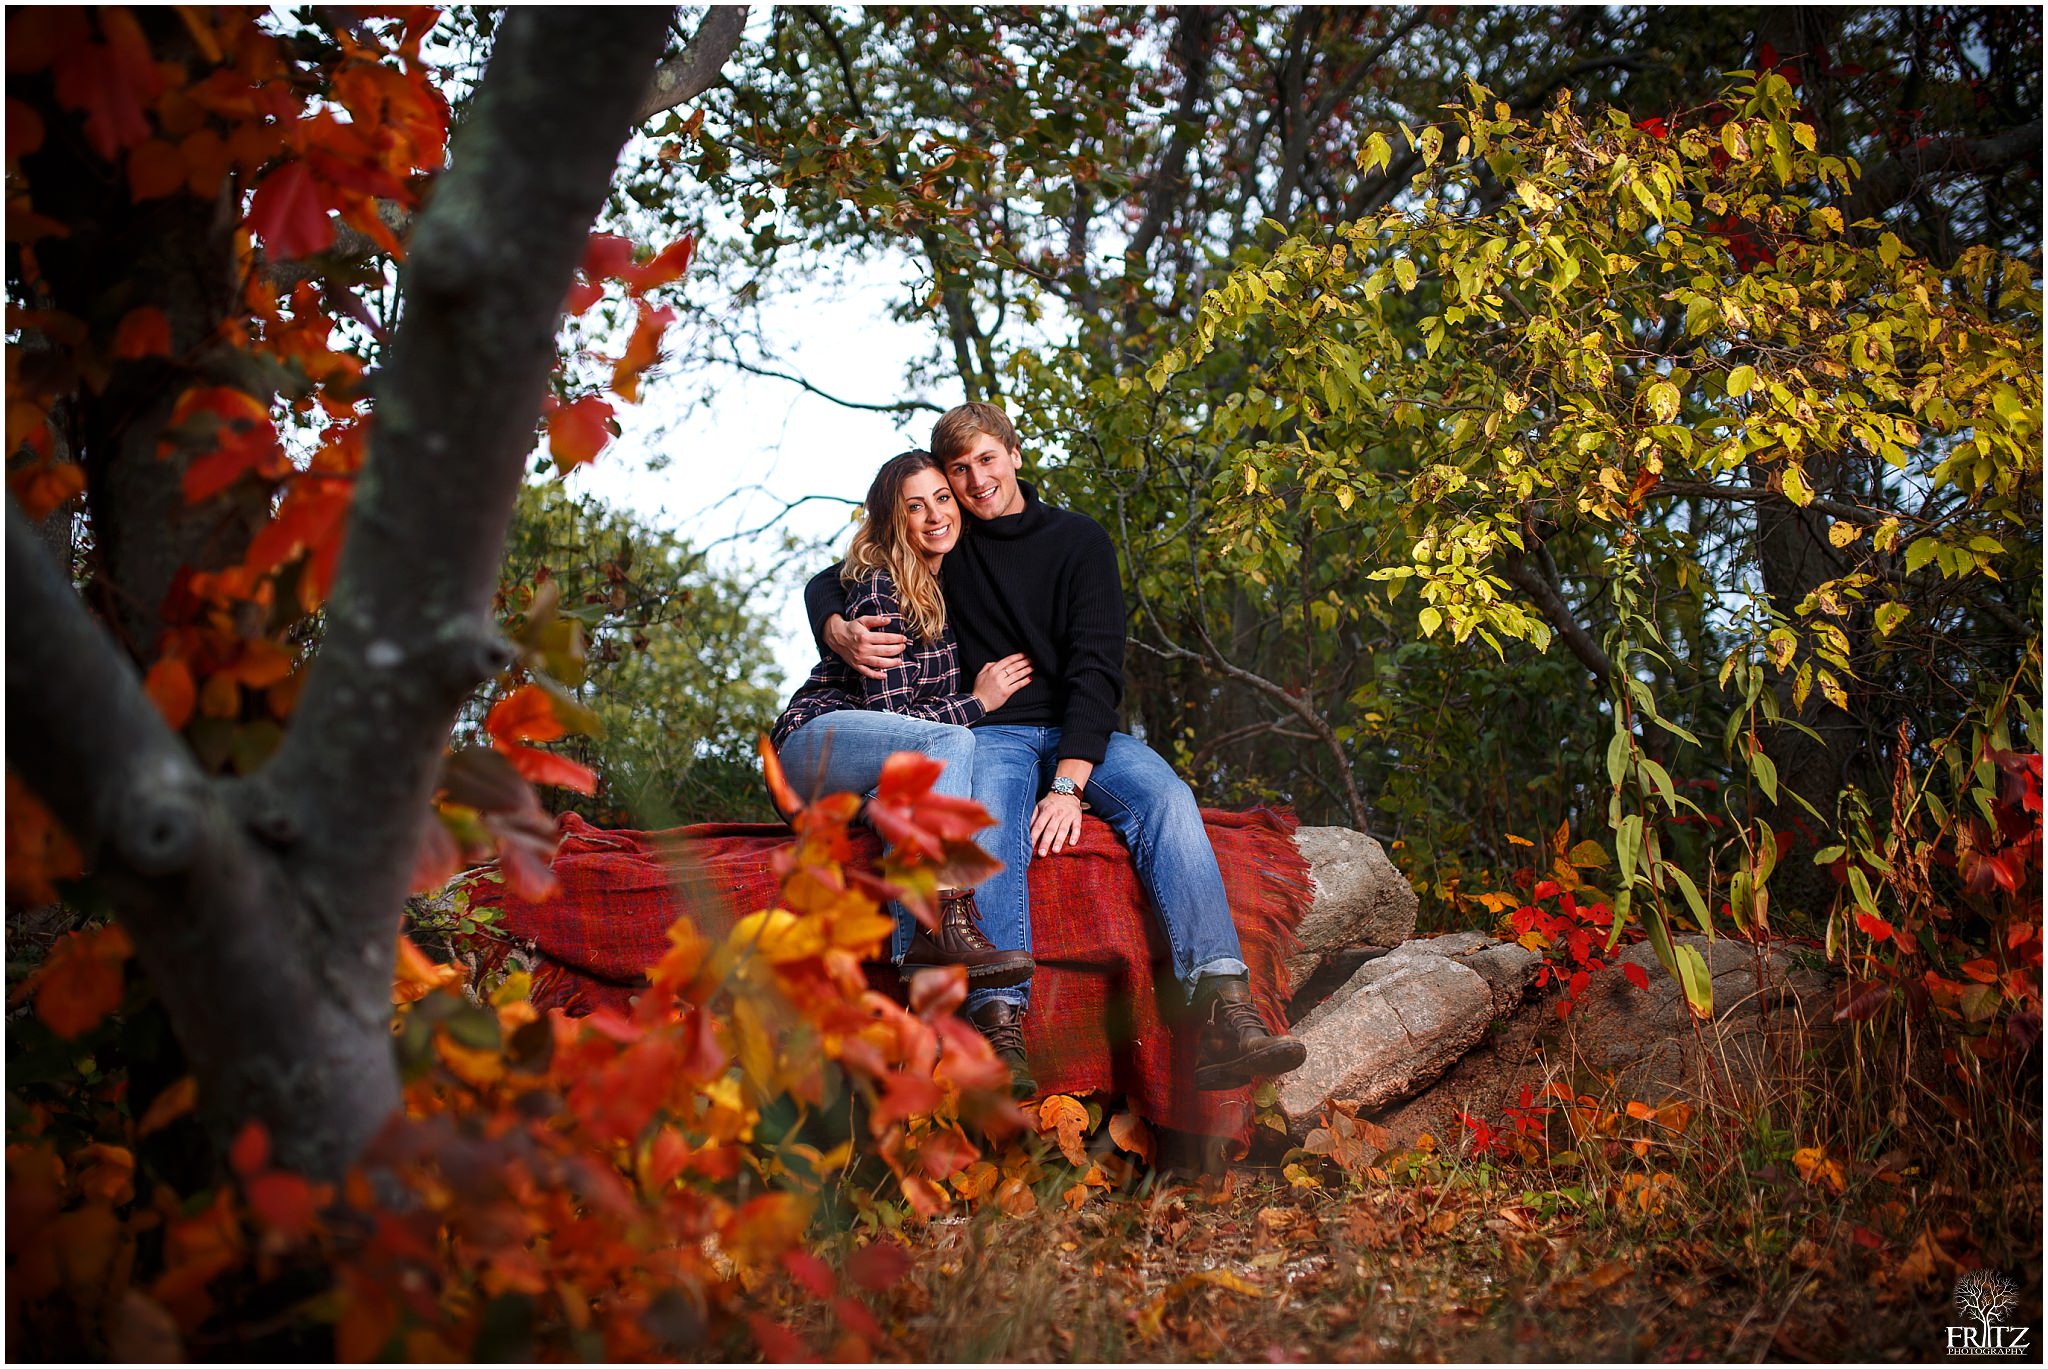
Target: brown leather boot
959, 941
1002, 1022
1235, 1047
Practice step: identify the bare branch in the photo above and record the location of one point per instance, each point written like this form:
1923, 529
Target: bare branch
1544, 595
695, 70
1895, 179
901, 406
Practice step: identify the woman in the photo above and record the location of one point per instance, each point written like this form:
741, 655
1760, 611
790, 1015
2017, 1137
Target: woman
840, 726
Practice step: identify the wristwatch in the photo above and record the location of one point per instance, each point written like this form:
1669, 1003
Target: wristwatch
1063, 784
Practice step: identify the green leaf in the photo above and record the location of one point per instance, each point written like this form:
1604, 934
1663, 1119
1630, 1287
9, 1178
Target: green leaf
1920, 553
1404, 273
1766, 771
1692, 897
1740, 380
1697, 983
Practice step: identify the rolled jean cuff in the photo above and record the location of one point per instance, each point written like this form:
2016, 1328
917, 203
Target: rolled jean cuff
1222, 965
977, 997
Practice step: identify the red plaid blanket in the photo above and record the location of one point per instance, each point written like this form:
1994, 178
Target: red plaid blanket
1102, 997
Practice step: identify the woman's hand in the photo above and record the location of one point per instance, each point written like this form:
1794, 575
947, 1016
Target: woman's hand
861, 645
998, 680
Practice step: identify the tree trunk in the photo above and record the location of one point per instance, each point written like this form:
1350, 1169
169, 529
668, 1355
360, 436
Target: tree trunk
265, 910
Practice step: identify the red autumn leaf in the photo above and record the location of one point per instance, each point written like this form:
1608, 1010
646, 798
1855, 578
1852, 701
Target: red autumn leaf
607, 255
878, 1266
250, 1153
903, 1096
527, 841
812, 1273
438, 859
1636, 975
81, 981
244, 440
578, 431
936, 992
155, 169
144, 332
778, 1344
111, 83
169, 686
285, 1203
855, 1317
1876, 928
24, 129
45, 486
545, 767
1984, 971
907, 776
582, 294
290, 214
527, 714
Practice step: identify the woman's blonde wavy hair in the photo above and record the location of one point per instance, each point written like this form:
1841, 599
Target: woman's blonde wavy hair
881, 542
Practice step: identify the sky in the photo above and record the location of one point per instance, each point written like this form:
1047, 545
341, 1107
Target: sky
759, 444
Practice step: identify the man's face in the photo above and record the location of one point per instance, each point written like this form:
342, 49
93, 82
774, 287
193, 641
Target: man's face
984, 478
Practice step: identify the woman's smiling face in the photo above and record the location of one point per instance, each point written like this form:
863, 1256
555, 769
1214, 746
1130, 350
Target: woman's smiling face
931, 520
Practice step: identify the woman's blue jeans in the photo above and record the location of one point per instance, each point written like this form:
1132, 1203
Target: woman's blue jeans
1151, 808
843, 752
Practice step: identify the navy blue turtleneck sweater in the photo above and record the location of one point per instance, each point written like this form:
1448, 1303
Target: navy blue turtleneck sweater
1044, 582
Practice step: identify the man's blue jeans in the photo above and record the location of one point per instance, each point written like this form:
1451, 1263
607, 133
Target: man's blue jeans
843, 752
1137, 793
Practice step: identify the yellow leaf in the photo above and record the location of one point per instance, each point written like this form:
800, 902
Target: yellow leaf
1842, 534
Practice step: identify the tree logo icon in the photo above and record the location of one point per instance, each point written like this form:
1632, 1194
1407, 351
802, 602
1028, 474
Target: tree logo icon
1987, 1296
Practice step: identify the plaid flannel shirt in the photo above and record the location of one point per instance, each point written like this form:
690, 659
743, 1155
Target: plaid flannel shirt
924, 682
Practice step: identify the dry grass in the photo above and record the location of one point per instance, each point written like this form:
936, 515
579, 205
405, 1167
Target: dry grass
1757, 1233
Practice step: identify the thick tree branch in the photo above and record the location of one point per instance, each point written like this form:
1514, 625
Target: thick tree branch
407, 634
80, 731
1551, 604
693, 71
1740, 494
1895, 179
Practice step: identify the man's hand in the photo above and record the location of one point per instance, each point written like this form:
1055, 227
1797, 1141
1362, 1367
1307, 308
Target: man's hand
1056, 823
858, 644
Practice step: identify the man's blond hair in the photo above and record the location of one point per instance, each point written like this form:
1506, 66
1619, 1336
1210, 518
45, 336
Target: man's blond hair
957, 428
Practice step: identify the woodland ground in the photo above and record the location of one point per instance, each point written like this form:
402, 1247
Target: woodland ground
1732, 1242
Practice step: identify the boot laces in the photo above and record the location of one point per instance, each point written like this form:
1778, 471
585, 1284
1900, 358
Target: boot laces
1004, 1037
1240, 1014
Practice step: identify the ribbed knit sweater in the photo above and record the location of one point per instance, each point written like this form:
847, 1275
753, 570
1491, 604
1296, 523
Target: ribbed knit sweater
1044, 582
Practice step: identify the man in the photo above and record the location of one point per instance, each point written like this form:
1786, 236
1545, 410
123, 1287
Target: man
1027, 577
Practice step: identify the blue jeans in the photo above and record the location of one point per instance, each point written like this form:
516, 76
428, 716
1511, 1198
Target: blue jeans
1151, 808
843, 752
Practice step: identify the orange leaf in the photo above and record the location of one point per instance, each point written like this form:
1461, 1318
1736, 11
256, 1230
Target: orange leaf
545, 767
1130, 1133
169, 686
578, 431
1069, 1119
144, 332
81, 981
786, 801
527, 714
42, 487
1984, 971
666, 268
642, 350
414, 976
168, 1106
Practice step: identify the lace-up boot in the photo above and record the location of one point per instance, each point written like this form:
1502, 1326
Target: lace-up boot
1002, 1022
1235, 1047
959, 940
